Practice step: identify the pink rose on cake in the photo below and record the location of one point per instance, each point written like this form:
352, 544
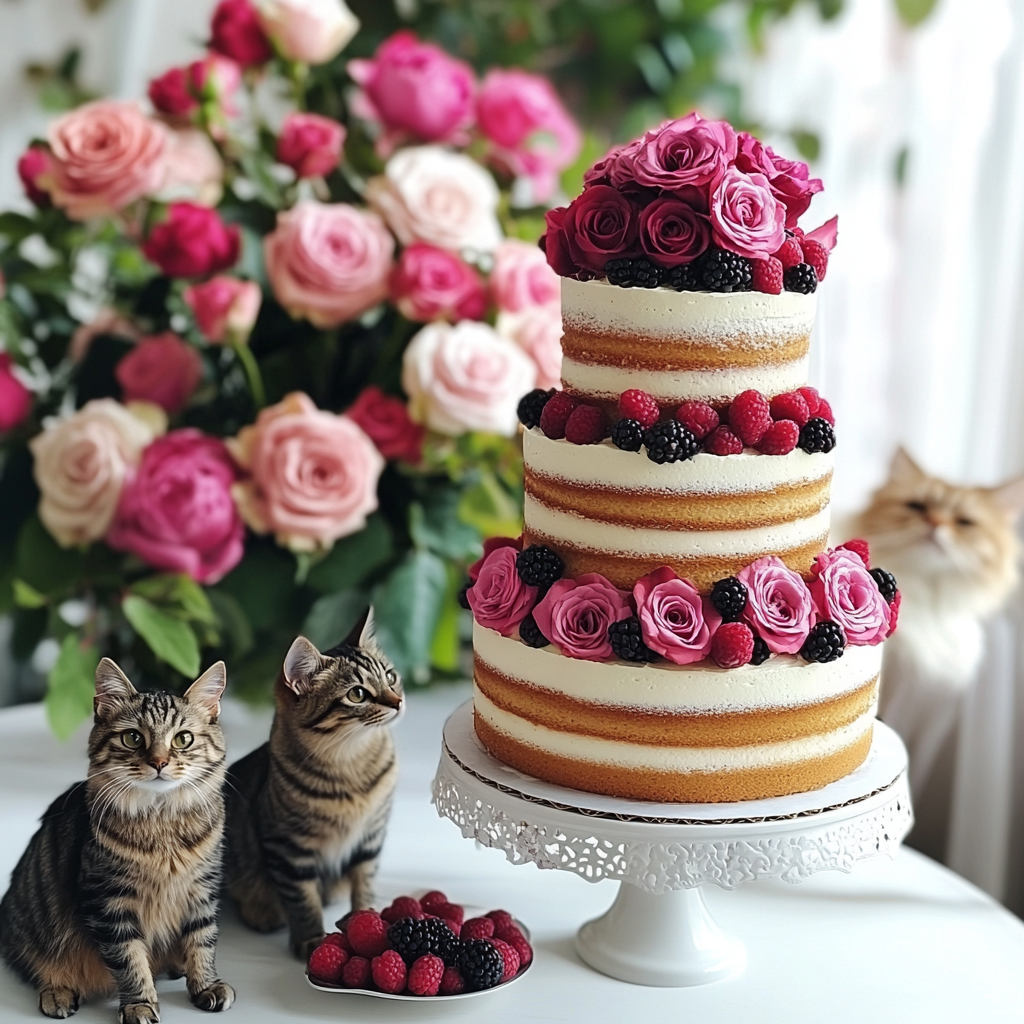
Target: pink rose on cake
672, 232
746, 218
521, 277
596, 227
674, 619
844, 592
575, 615
779, 608
790, 180
498, 598
537, 330
431, 284
386, 422
615, 168
492, 544
689, 151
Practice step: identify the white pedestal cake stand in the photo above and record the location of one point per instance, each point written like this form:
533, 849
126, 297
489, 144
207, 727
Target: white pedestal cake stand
659, 931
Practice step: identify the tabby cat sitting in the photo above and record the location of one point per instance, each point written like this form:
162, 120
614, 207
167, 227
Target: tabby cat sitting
121, 880
307, 811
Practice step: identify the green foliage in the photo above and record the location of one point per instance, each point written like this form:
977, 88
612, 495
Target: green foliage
169, 638
71, 685
914, 12
353, 559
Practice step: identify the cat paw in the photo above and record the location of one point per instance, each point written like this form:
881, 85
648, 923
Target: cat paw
302, 948
214, 998
58, 1002
138, 1013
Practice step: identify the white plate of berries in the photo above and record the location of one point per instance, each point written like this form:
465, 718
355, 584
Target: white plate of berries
422, 948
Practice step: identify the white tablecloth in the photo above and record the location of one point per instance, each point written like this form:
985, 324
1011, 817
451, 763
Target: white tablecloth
904, 941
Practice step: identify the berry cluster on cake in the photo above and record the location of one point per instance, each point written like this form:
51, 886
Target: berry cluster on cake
671, 625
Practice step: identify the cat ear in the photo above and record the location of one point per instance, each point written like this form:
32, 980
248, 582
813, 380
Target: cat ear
1011, 496
364, 631
207, 689
301, 663
112, 687
903, 468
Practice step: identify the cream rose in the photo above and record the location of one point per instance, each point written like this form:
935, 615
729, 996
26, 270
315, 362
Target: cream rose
465, 377
81, 464
193, 169
312, 31
537, 330
429, 194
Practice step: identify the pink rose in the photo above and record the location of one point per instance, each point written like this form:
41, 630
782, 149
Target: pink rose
33, 164
15, 398
690, 151
170, 93
492, 544
310, 31
215, 79
790, 180
235, 32
537, 330
225, 308
177, 513
193, 169
310, 144
161, 369
599, 225
521, 277
385, 420
328, 263
499, 599
672, 232
532, 133
615, 168
674, 619
554, 243
745, 217
192, 242
575, 615
779, 606
312, 475
106, 154
826, 235
431, 283
844, 592
414, 88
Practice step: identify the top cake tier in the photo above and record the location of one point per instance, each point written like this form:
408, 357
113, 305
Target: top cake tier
682, 345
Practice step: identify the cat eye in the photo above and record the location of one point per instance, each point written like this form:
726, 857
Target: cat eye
132, 739
357, 695
917, 506
392, 676
964, 521
182, 740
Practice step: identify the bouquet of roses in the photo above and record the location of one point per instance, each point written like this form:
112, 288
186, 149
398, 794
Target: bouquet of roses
261, 347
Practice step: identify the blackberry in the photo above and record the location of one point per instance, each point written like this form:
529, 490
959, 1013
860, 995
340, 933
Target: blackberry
729, 597
762, 652
886, 583
532, 405
817, 435
685, 278
647, 274
539, 566
530, 634
627, 641
628, 435
620, 272
480, 964
800, 278
464, 596
824, 643
669, 442
412, 939
724, 271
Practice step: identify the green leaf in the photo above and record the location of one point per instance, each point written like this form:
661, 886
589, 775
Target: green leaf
179, 593
808, 143
71, 685
445, 648
332, 617
231, 617
263, 584
436, 526
26, 596
170, 639
42, 563
914, 12
489, 508
354, 558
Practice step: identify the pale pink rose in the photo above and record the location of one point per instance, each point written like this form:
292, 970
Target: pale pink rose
465, 377
575, 615
779, 607
193, 169
499, 599
81, 464
674, 619
225, 308
15, 398
537, 330
328, 263
429, 194
106, 321
431, 283
312, 475
745, 216
310, 144
161, 369
105, 155
689, 151
521, 277
844, 592
311, 31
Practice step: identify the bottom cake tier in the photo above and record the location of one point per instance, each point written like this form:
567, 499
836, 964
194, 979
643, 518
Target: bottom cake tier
669, 733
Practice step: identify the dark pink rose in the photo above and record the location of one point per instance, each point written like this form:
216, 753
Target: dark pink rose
825, 235
894, 612
575, 615
745, 216
15, 398
192, 242
35, 161
177, 512
844, 592
690, 151
499, 599
235, 32
385, 420
171, 95
492, 544
430, 283
790, 180
214, 80
675, 620
225, 308
779, 608
310, 144
555, 245
672, 232
162, 369
615, 168
598, 226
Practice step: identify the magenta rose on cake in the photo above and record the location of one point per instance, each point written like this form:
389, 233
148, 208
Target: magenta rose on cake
746, 218
492, 544
844, 592
575, 615
779, 608
600, 225
674, 619
790, 180
499, 599
689, 151
672, 232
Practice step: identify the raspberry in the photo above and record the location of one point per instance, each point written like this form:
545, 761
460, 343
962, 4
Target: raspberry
722, 441
790, 253
628, 435
327, 962
762, 652
860, 548
749, 416
780, 438
825, 412
509, 957
403, 906
451, 982
338, 939
531, 405
530, 634
449, 911
817, 435
357, 973
729, 597
812, 398
698, 418
670, 442
817, 255
766, 276
800, 278
791, 406
388, 971
640, 406
586, 425
501, 917
732, 645
886, 584
506, 929
425, 975
478, 928
627, 643
554, 415
517, 941
368, 933
824, 643
481, 965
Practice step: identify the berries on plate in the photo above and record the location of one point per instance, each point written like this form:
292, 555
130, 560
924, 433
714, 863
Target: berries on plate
780, 438
509, 957
368, 933
425, 975
732, 645
478, 928
628, 435
699, 418
531, 405
356, 973
389, 971
824, 643
640, 406
556, 413
481, 964
670, 442
791, 406
722, 441
413, 939
817, 435
729, 598
451, 982
538, 566
766, 276
750, 416
327, 962
586, 425
404, 906
433, 898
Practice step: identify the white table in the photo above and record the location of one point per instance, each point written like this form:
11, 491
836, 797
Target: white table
904, 941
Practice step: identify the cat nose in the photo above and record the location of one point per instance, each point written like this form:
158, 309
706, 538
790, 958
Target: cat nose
159, 762
937, 518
